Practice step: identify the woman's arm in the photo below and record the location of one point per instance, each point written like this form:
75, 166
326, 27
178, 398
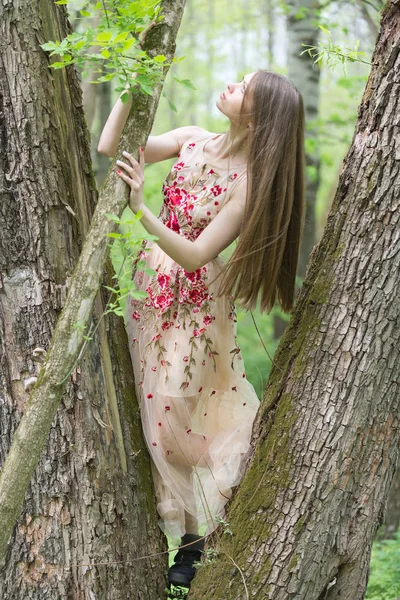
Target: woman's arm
115, 123
158, 147
217, 236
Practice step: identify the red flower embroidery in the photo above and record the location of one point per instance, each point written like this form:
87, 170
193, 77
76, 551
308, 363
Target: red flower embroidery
244, 403
168, 452
200, 388
175, 196
167, 408
188, 431
179, 166
234, 388
210, 172
167, 325
216, 203
173, 223
216, 190
149, 396
213, 392
163, 280
243, 375
154, 369
159, 424
154, 443
208, 319
185, 358
205, 414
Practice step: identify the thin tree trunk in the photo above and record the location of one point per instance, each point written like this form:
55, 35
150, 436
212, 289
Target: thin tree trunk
327, 434
75, 487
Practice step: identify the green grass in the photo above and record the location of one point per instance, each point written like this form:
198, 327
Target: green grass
384, 580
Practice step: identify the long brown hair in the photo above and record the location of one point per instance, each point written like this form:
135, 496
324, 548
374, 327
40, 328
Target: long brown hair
266, 255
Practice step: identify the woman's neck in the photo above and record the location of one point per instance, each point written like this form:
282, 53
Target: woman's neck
234, 144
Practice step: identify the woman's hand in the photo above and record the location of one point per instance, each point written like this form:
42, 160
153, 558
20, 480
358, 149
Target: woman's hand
134, 177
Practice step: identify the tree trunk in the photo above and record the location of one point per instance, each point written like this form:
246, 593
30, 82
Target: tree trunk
86, 509
327, 434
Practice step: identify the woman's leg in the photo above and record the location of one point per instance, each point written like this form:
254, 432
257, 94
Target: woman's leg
191, 523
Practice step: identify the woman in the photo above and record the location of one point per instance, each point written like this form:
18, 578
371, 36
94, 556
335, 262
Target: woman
197, 407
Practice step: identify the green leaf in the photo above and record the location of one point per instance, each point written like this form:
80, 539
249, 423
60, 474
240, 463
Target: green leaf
105, 53
107, 77
121, 36
48, 46
85, 13
113, 217
186, 82
103, 36
172, 105
160, 58
146, 89
128, 44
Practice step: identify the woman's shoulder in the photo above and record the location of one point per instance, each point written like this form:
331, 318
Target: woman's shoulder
192, 132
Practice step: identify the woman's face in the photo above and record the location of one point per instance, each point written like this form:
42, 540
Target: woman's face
231, 100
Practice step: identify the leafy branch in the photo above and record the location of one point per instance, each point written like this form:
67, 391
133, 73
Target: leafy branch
112, 47
334, 54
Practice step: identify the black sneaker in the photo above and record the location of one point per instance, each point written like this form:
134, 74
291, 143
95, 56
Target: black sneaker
177, 592
182, 571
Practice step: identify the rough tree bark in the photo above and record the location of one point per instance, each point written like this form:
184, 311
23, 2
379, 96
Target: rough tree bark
327, 435
89, 499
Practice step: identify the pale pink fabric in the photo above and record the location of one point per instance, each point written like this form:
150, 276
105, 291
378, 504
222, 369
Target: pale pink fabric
197, 407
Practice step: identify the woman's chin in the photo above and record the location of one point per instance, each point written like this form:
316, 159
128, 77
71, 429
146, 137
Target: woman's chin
218, 105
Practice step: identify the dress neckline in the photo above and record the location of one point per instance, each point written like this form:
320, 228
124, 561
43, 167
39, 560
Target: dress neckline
232, 167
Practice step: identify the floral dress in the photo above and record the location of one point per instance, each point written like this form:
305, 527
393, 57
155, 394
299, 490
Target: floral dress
197, 407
